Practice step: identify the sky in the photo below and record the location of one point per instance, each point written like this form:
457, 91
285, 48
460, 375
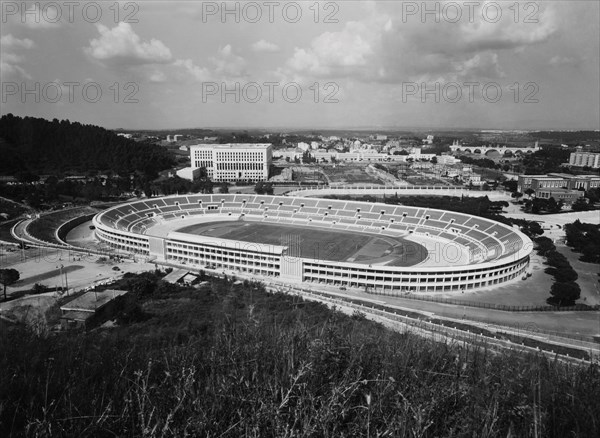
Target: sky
286, 65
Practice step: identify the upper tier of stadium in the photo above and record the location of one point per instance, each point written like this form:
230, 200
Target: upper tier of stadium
486, 240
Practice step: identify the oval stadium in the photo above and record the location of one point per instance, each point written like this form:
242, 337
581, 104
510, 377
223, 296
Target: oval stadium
382, 248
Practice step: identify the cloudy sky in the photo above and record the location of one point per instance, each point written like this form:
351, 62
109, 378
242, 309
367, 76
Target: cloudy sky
373, 64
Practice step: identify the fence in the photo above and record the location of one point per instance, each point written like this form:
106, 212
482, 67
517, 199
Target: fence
449, 329
504, 307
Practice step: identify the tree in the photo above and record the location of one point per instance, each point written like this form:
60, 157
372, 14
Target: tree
268, 188
307, 158
564, 294
593, 195
39, 288
529, 192
8, 277
224, 187
580, 205
259, 188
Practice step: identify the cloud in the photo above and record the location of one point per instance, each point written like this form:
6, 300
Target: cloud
265, 46
507, 34
332, 52
157, 76
384, 47
483, 66
9, 41
9, 65
229, 65
225, 66
7, 69
562, 60
122, 45
200, 74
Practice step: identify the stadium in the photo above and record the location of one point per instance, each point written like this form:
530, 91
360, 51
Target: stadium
385, 249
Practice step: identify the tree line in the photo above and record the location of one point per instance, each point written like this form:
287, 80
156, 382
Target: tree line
585, 239
38, 146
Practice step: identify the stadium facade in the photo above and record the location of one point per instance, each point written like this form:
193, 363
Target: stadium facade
496, 253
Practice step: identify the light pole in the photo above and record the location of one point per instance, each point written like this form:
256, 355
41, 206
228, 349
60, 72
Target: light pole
62, 283
65, 283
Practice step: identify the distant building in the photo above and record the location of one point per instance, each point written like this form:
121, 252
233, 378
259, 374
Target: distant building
447, 159
557, 180
124, 135
568, 197
181, 276
582, 159
291, 153
416, 154
189, 173
174, 138
89, 308
233, 161
474, 179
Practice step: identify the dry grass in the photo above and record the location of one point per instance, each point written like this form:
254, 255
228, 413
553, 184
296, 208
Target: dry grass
234, 361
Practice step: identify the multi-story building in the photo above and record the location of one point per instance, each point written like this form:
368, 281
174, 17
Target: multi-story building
577, 182
233, 161
563, 186
447, 159
581, 159
548, 181
568, 197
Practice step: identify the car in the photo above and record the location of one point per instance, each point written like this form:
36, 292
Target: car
92, 227
116, 268
342, 287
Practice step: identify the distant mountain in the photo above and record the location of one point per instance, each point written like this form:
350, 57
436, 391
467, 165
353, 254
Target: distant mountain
48, 147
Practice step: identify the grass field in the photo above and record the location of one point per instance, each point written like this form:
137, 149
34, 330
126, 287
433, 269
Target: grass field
318, 243
350, 175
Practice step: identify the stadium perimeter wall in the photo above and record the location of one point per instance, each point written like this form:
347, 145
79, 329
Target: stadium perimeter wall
398, 190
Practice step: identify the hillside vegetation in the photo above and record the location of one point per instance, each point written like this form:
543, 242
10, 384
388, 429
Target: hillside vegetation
39, 146
231, 360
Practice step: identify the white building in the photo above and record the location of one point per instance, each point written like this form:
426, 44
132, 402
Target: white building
447, 159
188, 173
581, 159
304, 146
428, 140
416, 154
233, 161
